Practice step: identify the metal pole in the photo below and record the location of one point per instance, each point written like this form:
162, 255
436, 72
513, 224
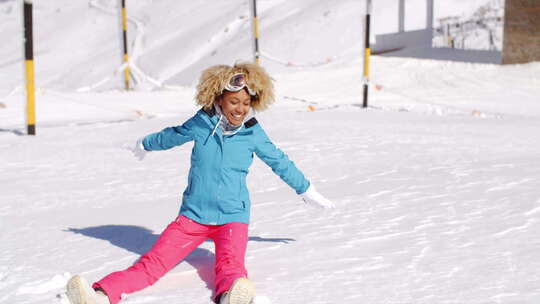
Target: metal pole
401, 12
256, 32
124, 32
429, 21
29, 69
367, 54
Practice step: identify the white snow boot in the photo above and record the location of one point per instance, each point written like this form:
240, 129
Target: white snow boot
80, 292
241, 292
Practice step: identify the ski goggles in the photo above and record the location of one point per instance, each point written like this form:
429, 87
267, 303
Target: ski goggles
237, 83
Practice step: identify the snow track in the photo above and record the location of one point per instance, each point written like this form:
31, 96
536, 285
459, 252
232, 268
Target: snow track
135, 51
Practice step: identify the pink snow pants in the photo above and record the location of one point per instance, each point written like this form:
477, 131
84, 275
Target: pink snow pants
180, 238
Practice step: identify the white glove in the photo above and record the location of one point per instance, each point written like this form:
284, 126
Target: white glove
138, 149
312, 197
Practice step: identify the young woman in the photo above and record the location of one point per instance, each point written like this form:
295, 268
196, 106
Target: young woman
216, 202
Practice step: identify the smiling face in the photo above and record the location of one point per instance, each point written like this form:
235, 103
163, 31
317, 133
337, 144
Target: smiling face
235, 106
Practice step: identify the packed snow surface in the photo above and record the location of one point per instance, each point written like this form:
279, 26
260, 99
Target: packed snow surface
437, 183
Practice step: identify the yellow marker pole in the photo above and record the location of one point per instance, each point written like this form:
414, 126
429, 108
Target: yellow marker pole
124, 32
256, 32
367, 54
29, 68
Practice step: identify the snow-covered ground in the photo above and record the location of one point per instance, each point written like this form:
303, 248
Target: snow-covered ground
437, 184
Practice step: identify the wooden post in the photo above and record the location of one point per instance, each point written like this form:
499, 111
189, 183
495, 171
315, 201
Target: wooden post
256, 32
367, 54
29, 68
124, 32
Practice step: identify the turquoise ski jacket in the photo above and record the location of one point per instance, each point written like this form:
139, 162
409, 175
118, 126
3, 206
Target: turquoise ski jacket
216, 192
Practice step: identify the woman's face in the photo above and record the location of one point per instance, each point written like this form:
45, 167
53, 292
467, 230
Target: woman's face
235, 106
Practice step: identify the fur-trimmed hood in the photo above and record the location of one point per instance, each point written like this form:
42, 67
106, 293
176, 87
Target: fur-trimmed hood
214, 78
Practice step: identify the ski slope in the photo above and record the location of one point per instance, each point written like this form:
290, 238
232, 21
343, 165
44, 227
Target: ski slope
436, 184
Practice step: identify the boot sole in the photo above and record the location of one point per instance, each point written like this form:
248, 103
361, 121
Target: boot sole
242, 292
76, 292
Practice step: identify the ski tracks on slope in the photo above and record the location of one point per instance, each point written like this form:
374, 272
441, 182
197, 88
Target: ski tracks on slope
214, 42
137, 50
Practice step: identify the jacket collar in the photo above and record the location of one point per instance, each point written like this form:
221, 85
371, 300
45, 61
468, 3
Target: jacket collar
211, 113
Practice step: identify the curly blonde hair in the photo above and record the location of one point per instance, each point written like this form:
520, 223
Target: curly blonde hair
214, 78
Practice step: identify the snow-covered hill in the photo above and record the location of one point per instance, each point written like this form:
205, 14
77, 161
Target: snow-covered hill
78, 43
436, 184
